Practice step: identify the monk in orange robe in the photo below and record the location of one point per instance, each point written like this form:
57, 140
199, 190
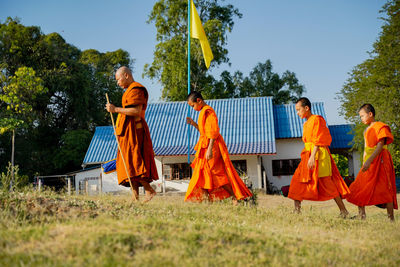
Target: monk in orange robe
213, 173
134, 137
375, 184
316, 178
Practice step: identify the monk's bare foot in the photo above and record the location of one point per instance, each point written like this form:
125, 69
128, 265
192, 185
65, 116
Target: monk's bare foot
135, 198
391, 218
296, 211
344, 214
149, 196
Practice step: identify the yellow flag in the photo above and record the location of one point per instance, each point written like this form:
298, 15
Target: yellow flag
197, 31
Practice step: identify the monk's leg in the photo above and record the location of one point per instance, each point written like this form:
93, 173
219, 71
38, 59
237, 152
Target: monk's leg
343, 211
228, 188
297, 206
135, 193
150, 192
361, 213
389, 207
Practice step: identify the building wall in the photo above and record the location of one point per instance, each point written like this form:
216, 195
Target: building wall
285, 149
356, 162
253, 168
291, 149
251, 162
80, 176
109, 182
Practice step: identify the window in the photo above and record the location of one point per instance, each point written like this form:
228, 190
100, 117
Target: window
240, 166
284, 167
177, 171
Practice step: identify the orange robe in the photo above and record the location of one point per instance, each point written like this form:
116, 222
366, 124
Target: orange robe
211, 175
316, 184
135, 142
377, 185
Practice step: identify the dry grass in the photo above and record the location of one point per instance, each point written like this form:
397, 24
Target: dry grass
44, 229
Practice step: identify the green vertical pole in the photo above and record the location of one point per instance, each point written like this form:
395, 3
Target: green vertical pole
188, 113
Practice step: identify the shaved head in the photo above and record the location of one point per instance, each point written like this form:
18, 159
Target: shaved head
124, 77
124, 70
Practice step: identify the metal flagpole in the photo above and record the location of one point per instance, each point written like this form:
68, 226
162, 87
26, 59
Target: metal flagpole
188, 113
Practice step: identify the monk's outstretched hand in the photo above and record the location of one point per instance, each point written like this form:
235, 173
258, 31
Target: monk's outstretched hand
190, 121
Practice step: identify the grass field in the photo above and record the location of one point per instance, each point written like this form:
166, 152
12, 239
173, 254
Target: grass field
46, 229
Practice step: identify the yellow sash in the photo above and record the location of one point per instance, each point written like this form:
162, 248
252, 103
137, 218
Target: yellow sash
324, 160
369, 150
118, 119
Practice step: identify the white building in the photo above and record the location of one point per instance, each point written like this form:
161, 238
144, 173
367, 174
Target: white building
263, 140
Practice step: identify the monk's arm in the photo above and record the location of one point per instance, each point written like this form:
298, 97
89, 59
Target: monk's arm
192, 122
130, 111
377, 151
311, 161
209, 153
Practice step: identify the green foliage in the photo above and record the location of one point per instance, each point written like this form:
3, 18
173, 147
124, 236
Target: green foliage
6, 179
9, 124
262, 81
70, 86
102, 67
73, 145
18, 95
396, 161
342, 164
377, 81
170, 57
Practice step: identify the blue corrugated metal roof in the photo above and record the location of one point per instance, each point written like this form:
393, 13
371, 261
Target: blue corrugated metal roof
246, 124
288, 124
102, 147
342, 136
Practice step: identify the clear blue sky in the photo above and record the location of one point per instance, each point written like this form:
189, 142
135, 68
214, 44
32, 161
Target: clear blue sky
320, 40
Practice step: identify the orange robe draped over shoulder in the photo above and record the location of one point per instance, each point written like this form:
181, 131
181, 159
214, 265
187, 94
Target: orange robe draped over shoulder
323, 182
135, 141
211, 175
377, 185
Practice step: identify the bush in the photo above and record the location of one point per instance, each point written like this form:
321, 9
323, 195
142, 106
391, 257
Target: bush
6, 182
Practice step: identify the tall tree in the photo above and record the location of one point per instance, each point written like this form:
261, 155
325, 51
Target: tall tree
68, 112
262, 81
17, 94
170, 57
377, 81
102, 68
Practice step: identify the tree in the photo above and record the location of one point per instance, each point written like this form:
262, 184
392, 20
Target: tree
73, 102
18, 94
342, 163
170, 57
377, 81
102, 67
262, 81
73, 145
